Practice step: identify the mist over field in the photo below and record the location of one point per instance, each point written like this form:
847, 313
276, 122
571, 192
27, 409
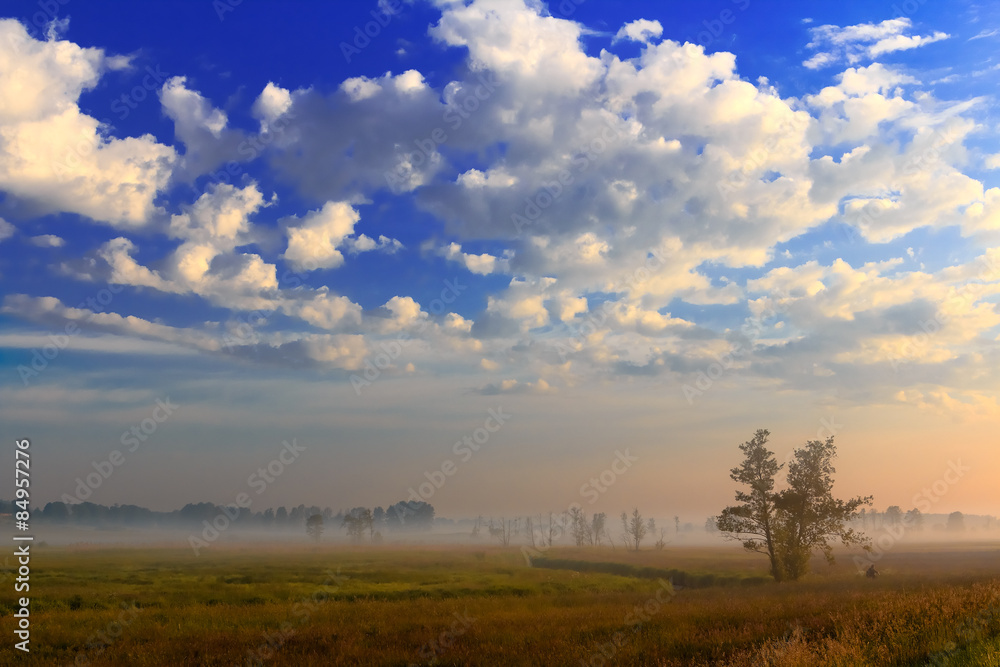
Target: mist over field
568, 332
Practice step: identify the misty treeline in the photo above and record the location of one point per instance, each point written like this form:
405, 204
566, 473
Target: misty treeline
915, 520
362, 523
575, 526
404, 515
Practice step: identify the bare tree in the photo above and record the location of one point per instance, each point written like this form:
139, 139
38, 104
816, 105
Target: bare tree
505, 530
635, 529
661, 543
598, 527
529, 528
580, 527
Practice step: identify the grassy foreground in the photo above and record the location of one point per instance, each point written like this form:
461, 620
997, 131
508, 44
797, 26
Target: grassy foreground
452, 605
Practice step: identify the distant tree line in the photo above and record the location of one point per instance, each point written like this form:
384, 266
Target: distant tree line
401, 516
573, 524
363, 523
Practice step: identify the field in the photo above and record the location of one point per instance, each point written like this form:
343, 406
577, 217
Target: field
480, 605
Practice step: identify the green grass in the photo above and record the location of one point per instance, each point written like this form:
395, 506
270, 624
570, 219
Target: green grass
391, 605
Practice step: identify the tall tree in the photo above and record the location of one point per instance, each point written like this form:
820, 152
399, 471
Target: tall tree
357, 522
914, 518
753, 521
809, 516
314, 526
789, 525
580, 527
597, 526
894, 515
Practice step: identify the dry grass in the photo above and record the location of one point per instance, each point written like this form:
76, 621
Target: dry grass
394, 606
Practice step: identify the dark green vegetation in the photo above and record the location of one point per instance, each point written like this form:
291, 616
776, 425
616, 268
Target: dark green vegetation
399, 605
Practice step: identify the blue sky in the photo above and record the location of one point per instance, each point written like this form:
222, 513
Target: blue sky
646, 225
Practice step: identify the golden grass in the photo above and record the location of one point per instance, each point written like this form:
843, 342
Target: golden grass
396, 605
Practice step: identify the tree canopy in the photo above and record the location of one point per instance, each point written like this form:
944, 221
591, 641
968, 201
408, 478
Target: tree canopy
790, 524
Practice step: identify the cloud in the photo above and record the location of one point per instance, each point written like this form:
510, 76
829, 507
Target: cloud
272, 104
639, 206
864, 40
51, 312
903, 43
482, 264
363, 243
6, 230
202, 128
323, 310
515, 387
516, 41
639, 31
191, 113
313, 241
205, 262
984, 33
333, 351
58, 159
47, 241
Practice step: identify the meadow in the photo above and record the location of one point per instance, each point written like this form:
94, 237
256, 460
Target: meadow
274, 604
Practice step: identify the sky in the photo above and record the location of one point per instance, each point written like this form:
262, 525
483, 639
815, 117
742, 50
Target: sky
503, 256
